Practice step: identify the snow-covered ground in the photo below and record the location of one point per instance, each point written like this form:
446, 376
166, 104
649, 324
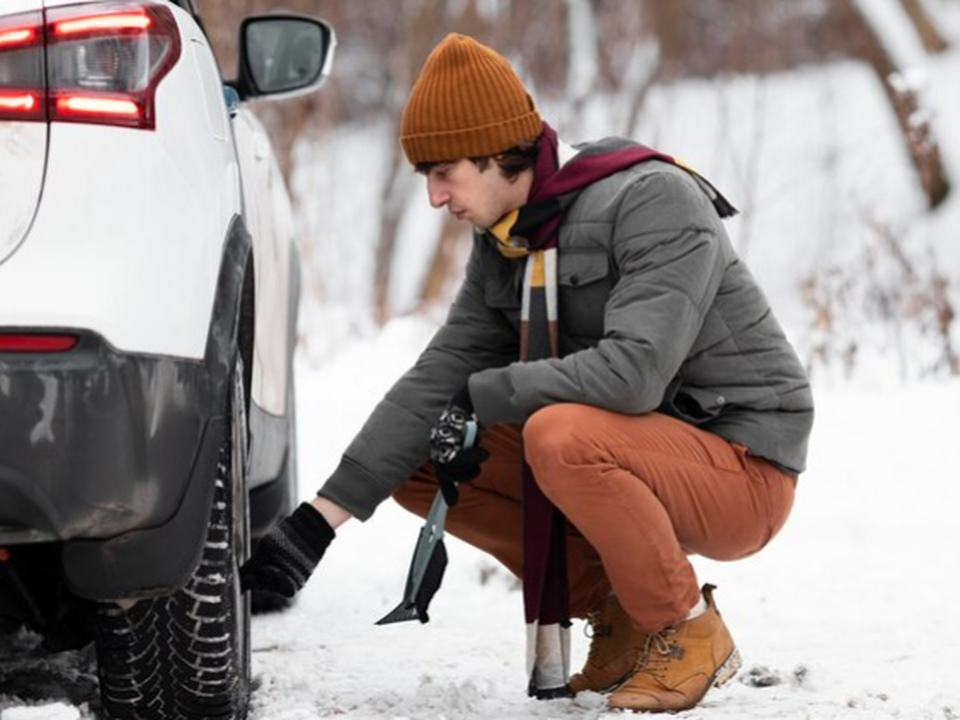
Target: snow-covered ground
847, 614
849, 611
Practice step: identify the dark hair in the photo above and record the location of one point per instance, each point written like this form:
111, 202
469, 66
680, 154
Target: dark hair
511, 161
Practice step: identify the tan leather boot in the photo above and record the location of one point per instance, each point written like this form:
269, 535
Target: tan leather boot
679, 664
615, 647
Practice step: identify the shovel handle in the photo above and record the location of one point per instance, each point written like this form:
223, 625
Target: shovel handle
430, 534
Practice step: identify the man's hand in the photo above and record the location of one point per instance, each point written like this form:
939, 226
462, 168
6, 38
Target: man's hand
453, 446
285, 558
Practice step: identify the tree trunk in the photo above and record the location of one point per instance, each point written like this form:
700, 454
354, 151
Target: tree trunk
930, 37
394, 197
918, 135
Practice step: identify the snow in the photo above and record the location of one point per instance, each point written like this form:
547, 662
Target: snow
801, 164
847, 614
412, 259
335, 270
582, 37
889, 19
54, 711
813, 158
848, 610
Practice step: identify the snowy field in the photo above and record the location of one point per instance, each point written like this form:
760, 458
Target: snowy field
848, 614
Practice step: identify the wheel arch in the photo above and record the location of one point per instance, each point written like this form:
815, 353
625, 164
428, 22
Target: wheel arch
246, 326
156, 561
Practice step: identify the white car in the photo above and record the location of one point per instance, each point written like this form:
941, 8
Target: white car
149, 283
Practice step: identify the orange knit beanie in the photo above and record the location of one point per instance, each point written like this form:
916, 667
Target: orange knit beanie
468, 102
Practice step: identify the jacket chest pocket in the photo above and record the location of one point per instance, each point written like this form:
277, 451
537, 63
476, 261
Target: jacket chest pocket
584, 282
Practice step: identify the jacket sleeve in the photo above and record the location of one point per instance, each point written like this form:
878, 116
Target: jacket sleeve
394, 441
670, 261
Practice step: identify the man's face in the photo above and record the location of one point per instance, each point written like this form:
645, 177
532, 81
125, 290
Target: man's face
480, 197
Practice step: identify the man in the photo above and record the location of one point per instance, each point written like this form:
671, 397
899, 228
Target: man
606, 335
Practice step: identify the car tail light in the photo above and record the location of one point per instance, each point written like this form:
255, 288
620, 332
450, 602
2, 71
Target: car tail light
21, 67
92, 63
36, 343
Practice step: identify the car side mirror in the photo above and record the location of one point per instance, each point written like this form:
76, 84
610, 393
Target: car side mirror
283, 55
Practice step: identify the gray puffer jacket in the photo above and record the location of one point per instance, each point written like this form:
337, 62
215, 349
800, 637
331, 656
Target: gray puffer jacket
657, 312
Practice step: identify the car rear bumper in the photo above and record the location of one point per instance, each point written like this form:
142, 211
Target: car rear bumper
96, 442
114, 454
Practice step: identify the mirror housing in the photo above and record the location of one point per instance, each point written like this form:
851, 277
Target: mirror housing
283, 55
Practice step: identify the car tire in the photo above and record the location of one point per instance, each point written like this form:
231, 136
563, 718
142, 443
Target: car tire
187, 656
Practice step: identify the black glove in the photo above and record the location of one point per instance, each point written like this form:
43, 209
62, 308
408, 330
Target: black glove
453, 446
285, 558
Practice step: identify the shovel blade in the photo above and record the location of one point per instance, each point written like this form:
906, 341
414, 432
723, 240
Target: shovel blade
401, 613
420, 590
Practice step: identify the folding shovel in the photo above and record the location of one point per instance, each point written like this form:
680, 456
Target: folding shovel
426, 569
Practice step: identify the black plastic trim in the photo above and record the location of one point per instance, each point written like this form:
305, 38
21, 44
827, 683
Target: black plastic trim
268, 504
152, 561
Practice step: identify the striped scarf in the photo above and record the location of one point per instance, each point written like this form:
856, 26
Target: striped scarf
532, 232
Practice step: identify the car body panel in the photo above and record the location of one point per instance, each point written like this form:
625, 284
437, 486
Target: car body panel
24, 148
268, 215
128, 244
141, 243
13, 7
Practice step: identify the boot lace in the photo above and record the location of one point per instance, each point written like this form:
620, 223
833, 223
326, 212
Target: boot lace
595, 628
659, 650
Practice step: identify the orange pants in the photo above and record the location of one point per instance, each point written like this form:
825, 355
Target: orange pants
641, 493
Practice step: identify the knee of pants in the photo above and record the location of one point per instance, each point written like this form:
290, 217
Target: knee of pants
404, 498
550, 438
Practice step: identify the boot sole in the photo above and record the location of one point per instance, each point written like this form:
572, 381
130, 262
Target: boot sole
725, 673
